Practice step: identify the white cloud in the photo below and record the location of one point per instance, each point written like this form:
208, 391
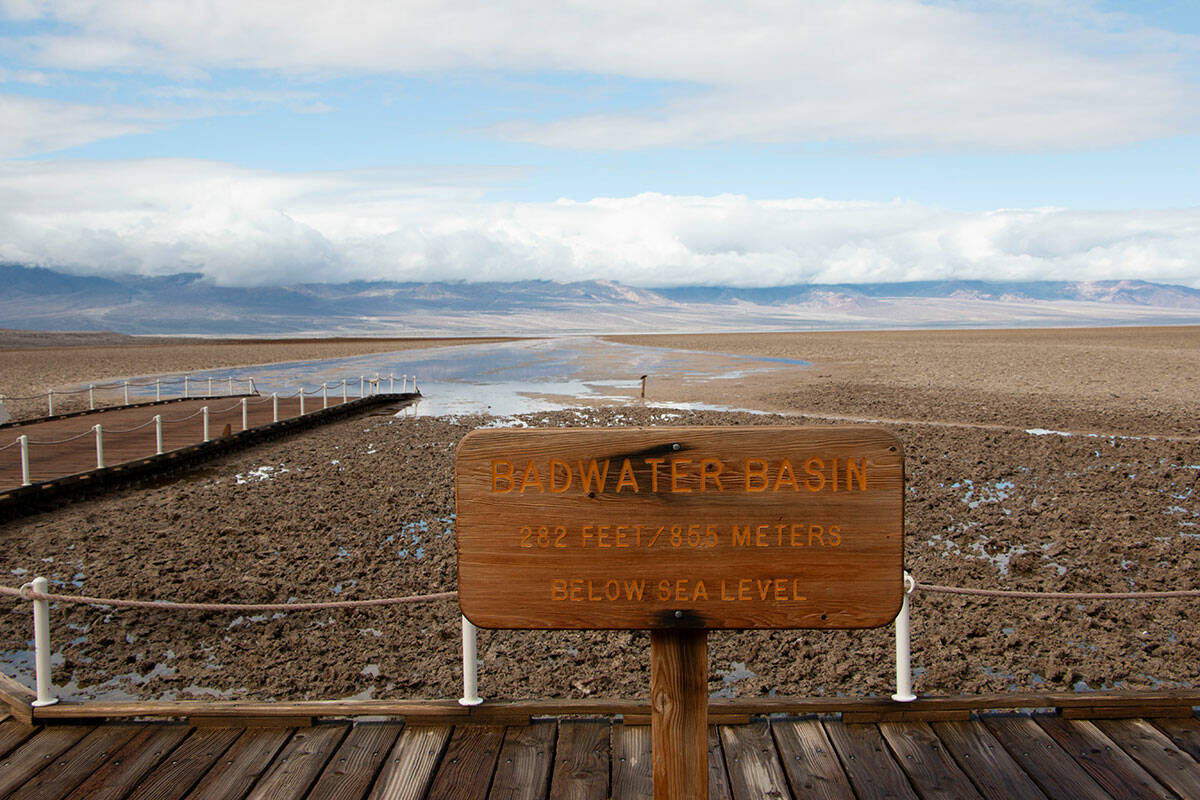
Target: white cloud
884, 73
30, 125
249, 227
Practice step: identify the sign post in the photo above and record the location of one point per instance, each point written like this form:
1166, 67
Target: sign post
680, 531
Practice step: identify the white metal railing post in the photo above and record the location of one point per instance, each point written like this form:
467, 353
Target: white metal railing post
274, 406
50, 403
253, 389
24, 440
204, 415
158, 389
99, 446
405, 388
126, 392
904, 692
245, 415
158, 434
41, 645
187, 386
470, 666
345, 397
415, 389
324, 395
302, 401
362, 386
391, 383
231, 386
210, 394
92, 396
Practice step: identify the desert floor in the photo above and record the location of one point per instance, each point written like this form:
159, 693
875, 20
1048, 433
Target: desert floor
997, 497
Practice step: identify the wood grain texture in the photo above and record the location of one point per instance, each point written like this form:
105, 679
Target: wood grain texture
989, 765
1042, 759
868, 762
648, 528
469, 762
296, 768
76, 764
410, 766
929, 767
812, 767
581, 761
352, 770
718, 776
242, 765
1109, 765
1157, 754
1185, 733
125, 769
22, 764
632, 776
12, 734
523, 768
752, 763
679, 713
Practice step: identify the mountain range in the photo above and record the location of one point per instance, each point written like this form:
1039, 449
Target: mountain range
36, 298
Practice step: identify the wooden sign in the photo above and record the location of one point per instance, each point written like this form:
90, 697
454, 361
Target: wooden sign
661, 528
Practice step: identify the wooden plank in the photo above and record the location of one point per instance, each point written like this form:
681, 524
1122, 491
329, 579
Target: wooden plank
868, 763
242, 765
38, 752
718, 776
631, 759
929, 767
986, 762
300, 762
202, 721
687, 527
1157, 754
186, 764
906, 715
407, 773
1108, 764
352, 770
1185, 733
812, 767
1130, 710
752, 762
678, 724
12, 734
466, 769
502, 712
17, 697
76, 764
1043, 760
581, 761
117, 777
523, 768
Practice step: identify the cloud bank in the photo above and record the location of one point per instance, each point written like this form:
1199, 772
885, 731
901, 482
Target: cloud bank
895, 75
249, 227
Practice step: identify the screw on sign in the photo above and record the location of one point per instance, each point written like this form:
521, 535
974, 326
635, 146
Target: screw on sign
680, 531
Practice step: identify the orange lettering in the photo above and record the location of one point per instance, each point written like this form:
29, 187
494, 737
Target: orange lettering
502, 470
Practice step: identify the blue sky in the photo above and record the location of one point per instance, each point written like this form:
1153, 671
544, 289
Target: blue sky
757, 144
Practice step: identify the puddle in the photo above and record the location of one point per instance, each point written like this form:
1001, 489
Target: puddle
500, 378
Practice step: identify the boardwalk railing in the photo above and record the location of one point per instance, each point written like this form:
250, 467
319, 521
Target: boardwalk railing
367, 387
36, 593
188, 387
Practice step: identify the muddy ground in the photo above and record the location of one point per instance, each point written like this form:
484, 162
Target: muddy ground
364, 508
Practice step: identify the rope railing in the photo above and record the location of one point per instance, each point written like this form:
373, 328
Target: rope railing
36, 591
1030, 595
227, 382
27, 592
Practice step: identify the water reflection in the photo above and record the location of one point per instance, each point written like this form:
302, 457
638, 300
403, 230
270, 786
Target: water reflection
503, 377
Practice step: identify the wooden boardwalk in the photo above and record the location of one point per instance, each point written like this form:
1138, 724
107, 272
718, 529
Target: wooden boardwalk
129, 434
997, 756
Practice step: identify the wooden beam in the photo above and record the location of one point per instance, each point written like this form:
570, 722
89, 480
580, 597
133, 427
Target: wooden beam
18, 697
